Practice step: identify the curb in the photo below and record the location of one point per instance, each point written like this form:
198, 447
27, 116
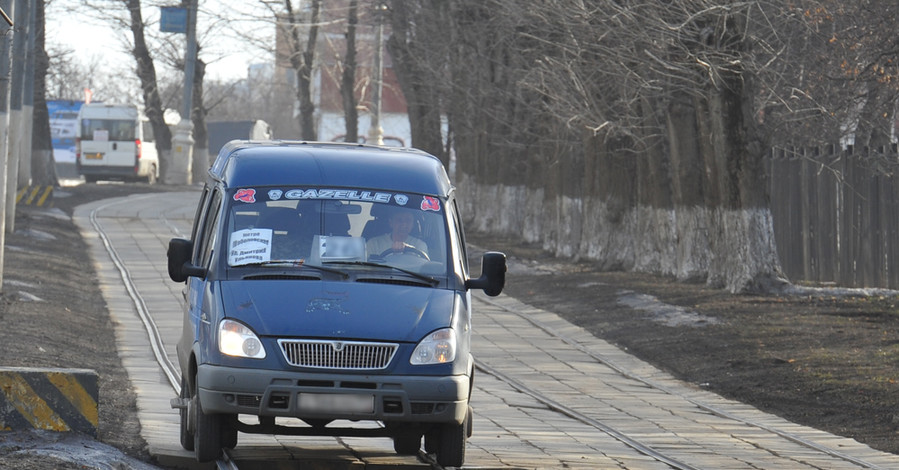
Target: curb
49, 399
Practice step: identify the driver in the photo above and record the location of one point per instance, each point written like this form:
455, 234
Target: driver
398, 240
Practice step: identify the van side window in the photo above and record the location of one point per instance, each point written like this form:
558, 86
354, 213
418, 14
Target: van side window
108, 129
198, 216
457, 237
207, 239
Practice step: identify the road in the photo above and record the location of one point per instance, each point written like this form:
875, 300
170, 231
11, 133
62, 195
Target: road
548, 394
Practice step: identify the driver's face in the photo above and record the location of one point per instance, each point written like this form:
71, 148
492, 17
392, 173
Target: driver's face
402, 223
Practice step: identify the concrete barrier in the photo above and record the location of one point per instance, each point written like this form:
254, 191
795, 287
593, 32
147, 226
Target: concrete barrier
41, 196
50, 399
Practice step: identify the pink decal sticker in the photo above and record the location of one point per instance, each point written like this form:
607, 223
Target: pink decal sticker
430, 204
245, 195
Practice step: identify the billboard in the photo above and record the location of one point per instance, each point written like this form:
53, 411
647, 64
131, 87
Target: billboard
63, 128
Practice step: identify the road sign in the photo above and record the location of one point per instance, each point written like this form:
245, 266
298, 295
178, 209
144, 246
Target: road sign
173, 20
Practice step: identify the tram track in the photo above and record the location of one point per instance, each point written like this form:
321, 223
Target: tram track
633, 443
173, 374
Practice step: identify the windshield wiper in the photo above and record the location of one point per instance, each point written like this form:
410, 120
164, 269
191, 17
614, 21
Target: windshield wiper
430, 280
297, 263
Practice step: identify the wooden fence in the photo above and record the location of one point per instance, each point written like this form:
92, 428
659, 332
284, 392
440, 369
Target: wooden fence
836, 214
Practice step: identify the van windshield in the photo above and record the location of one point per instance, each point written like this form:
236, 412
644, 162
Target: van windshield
322, 227
108, 129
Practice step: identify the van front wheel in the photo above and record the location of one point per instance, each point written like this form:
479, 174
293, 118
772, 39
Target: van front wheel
451, 444
187, 436
207, 430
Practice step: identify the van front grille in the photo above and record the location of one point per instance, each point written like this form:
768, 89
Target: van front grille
345, 355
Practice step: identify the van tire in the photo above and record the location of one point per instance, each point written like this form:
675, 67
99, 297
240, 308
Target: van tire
207, 431
187, 438
229, 432
407, 443
90, 179
451, 446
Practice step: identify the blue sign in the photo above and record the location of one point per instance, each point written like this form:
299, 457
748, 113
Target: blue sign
63, 128
173, 20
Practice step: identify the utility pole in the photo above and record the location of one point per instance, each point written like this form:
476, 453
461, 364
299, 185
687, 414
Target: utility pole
375, 131
182, 139
16, 122
27, 157
6, 7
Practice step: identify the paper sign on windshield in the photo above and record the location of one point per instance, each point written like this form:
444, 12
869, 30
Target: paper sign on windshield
250, 246
334, 248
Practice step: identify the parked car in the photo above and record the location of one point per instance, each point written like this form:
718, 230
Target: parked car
327, 282
115, 142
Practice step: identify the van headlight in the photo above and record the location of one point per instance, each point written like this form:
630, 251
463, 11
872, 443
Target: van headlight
438, 347
235, 339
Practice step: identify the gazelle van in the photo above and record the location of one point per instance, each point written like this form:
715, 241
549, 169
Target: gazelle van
330, 283
115, 142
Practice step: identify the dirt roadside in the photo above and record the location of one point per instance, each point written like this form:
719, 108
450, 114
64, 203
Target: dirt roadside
825, 361
52, 314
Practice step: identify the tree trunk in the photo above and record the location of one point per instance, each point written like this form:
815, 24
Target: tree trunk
146, 72
348, 77
303, 66
43, 167
414, 37
744, 255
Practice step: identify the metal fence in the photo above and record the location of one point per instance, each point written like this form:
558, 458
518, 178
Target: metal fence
836, 214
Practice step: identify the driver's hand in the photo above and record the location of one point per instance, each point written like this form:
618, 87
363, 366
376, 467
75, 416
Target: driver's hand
398, 246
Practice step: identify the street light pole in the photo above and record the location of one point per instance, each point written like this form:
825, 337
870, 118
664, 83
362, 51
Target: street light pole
375, 131
182, 139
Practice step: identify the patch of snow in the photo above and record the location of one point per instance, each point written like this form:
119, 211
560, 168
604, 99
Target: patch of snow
839, 291
53, 213
15, 283
27, 297
38, 234
666, 314
70, 447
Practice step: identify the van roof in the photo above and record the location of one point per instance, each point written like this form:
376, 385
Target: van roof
242, 163
109, 110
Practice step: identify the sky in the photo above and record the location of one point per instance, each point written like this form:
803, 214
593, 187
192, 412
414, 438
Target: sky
227, 58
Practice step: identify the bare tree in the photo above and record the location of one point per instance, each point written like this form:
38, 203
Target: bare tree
146, 72
418, 45
348, 75
639, 129
303, 63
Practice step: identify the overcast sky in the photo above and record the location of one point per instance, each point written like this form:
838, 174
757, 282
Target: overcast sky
227, 58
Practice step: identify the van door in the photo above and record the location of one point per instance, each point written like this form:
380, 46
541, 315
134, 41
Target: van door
108, 142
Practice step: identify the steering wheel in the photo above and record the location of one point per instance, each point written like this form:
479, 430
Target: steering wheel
407, 249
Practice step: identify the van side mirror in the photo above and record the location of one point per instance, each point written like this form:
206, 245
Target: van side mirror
493, 274
179, 254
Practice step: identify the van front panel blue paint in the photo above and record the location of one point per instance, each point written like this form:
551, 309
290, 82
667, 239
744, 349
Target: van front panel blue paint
317, 309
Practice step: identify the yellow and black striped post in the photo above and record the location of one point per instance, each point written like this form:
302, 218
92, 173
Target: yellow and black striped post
50, 399
41, 196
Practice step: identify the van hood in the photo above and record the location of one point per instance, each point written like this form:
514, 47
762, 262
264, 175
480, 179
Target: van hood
321, 309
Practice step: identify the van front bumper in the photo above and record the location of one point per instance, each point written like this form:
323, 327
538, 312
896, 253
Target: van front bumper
420, 399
